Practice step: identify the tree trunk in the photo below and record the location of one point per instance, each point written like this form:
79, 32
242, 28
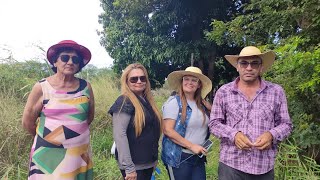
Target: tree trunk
200, 65
211, 61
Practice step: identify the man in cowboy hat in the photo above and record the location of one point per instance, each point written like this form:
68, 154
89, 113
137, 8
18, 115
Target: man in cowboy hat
250, 116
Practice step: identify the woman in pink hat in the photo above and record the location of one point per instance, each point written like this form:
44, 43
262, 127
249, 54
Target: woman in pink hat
58, 113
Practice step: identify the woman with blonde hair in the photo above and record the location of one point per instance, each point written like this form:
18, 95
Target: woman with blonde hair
185, 125
136, 125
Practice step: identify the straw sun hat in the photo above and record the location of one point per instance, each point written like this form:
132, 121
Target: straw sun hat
175, 79
267, 57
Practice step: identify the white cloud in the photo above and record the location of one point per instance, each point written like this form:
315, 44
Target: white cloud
24, 24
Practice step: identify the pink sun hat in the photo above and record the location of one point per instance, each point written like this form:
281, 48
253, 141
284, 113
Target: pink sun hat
82, 50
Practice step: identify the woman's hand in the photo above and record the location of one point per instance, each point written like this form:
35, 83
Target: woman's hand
197, 149
155, 166
131, 176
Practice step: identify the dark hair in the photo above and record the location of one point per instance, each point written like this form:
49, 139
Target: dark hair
66, 49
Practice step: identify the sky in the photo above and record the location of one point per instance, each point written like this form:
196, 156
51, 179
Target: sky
26, 24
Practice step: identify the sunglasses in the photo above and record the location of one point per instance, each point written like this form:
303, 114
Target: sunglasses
135, 79
65, 58
253, 64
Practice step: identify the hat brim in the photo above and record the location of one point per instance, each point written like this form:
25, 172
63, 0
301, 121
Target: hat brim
84, 52
175, 79
267, 59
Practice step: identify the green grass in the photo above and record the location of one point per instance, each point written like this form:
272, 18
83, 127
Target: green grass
15, 144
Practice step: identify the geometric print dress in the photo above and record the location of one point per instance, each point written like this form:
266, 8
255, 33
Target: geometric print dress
61, 148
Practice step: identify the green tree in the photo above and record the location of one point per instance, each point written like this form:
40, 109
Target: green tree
164, 35
263, 22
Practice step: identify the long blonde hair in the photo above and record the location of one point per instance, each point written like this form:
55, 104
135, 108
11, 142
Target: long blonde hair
139, 118
198, 99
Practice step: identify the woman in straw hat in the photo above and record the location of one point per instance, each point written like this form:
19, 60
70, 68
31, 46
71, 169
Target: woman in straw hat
58, 113
185, 125
136, 125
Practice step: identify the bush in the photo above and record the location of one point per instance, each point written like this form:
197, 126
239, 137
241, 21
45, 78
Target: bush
298, 71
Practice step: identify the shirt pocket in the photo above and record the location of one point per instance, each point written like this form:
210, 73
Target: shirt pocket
234, 114
266, 114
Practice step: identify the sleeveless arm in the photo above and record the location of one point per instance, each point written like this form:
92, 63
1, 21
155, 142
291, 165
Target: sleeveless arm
32, 109
91, 105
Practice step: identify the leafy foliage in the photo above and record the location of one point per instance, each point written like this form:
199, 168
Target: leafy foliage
268, 21
162, 35
299, 73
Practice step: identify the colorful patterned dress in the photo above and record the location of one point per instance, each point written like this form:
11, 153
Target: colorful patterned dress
61, 148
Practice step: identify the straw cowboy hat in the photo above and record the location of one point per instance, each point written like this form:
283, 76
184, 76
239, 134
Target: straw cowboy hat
83, 51
175, 79
267, 57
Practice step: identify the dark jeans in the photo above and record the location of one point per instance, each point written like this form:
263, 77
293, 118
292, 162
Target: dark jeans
228, 173
190, 169
144, 174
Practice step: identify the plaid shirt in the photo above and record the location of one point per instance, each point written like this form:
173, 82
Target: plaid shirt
232, 112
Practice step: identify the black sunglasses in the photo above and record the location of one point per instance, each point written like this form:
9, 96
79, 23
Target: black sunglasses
65, 58
135, 79
253, 64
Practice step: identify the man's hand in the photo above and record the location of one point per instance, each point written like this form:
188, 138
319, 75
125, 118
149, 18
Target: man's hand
264, 141
242, 141
131, 176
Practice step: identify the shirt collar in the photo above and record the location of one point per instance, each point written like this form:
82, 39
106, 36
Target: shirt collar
234, 84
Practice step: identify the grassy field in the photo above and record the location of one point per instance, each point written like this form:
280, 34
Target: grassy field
15, 143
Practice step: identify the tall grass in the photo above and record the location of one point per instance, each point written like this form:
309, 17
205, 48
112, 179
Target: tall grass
15, 144
291, 165
106, 90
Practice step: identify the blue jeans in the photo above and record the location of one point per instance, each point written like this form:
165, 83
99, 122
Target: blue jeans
190, 169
